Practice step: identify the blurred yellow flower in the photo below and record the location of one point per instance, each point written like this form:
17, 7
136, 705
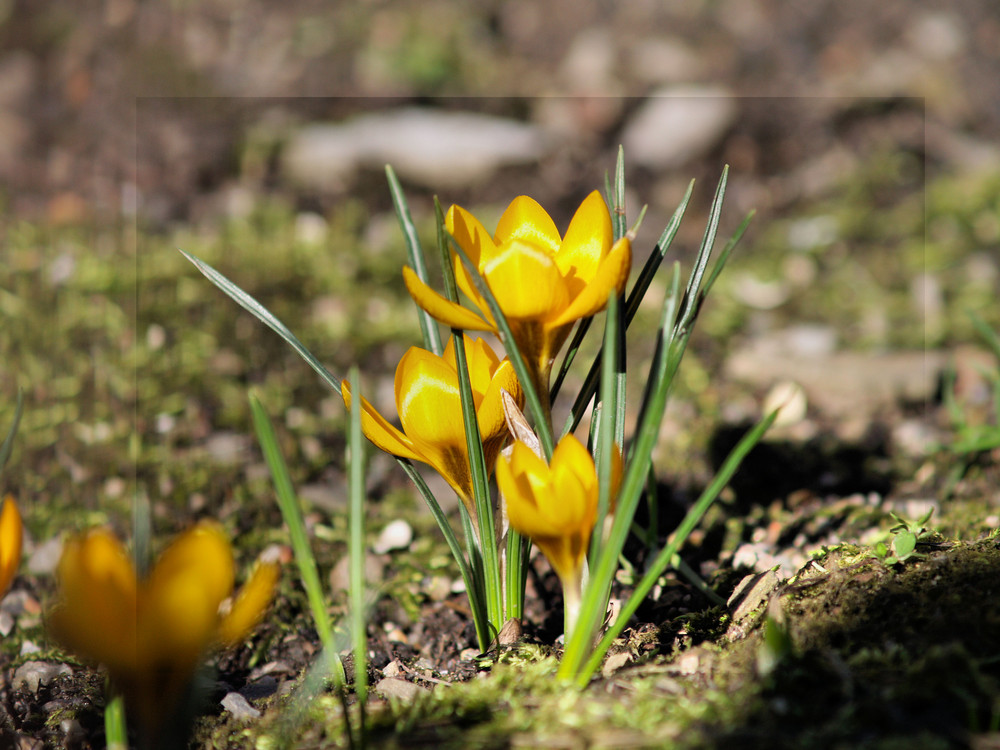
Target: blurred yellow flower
11, 533
430, 411
151, 634
542, 282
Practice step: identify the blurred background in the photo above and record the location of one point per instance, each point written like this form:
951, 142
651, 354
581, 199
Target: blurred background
254, 135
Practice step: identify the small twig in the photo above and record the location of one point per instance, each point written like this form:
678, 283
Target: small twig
419, 676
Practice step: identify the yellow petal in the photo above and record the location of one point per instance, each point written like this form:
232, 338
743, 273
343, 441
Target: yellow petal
378, 429
430, 410
570, 455
522, 479
492, 422
610, 275
427, 398
439, 308
249, 606
526, 282
473, 238
574, 482
483, 363
587, 241
490, 413
96, 614
179, 601
470, 234
202, 557
554, 506
526, 221
11, 534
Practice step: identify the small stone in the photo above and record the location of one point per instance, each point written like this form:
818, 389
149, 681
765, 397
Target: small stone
759, 294
615, 662
689, 662
392, 669
397, 636
239, 706
812, 233
438, 588
272, 667
393, 687
310, 228
45, 558
677, 125
324, 496
397, 535
430, 146
227, 447
73, 732
33, 674
340, 575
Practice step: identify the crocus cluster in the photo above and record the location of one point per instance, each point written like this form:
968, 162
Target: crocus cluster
10, 542
543, 283
152, 633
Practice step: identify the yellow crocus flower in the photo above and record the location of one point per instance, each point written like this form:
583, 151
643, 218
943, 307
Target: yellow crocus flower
542, 282
430, 411
151, 634
11, 533
555, 505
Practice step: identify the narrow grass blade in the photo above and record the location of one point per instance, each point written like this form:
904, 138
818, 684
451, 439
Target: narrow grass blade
256, 309
481, 490
659, 565
356, 556
595, 597
982, 328
655, 259
618, 204
473, 589
604, 446
115, 729
726, 251
8, 443
571, 352
292, 515
515, 575
692, 300
487, 540
632, 303
428, 326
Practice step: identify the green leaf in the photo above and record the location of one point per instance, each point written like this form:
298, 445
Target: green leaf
8, 443
904, 544
292, 514
356, 551
256, 309
428, 326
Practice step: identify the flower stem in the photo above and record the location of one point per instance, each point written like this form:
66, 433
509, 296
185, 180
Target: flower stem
572, 599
